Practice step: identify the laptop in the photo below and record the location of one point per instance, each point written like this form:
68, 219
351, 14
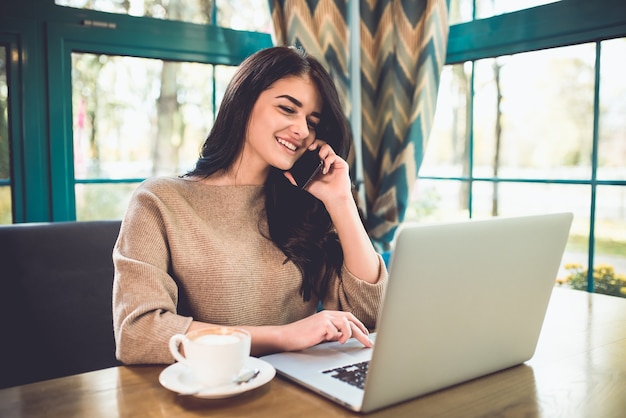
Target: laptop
464, 300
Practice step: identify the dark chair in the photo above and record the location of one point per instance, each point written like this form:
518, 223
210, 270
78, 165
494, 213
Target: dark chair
56, 284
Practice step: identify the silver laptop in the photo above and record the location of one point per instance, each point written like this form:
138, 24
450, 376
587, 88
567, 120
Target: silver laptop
464, 300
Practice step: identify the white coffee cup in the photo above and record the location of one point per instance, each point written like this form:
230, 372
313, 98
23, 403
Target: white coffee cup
215, 355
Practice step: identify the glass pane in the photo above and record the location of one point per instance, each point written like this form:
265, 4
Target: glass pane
519, 199
533, 114
223, 75
6, 209
612, 123
249, 15
515, 199
102, 201
461, 10
438, 200
447, 152
6, 215
137, 117
610, 241
488, 8
193, 11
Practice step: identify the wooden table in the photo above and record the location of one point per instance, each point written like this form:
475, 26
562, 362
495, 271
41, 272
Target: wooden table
579, 370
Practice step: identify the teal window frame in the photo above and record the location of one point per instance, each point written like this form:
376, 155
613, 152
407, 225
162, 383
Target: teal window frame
30, 193
557, 24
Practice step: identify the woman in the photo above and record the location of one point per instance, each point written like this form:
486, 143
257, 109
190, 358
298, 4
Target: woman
235, 242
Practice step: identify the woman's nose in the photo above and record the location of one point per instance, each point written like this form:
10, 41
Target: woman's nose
300, 127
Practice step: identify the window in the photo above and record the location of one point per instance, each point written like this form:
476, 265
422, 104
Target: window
131, 101
93, 117
517, 134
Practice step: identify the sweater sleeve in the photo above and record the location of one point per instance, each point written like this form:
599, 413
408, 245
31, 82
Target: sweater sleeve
351, 294
145, 296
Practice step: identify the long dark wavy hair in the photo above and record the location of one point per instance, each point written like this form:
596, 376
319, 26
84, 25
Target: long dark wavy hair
299, 224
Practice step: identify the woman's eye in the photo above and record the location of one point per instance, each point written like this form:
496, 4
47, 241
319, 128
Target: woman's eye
312, 125
287, 109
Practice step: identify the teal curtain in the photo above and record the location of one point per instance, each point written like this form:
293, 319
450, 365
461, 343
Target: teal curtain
403, 49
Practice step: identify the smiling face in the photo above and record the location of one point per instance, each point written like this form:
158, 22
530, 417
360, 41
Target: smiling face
282, 124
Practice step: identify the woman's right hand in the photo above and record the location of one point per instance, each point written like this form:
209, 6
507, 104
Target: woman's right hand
321, 327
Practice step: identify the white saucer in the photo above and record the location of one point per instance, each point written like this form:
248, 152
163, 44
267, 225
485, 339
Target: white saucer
179, 378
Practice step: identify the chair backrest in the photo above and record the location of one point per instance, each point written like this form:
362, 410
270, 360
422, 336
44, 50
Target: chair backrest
56, 283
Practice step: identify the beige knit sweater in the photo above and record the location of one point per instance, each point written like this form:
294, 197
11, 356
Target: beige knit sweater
184, 239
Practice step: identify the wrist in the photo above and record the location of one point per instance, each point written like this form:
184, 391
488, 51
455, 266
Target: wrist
278, 338
267, 340
340, 204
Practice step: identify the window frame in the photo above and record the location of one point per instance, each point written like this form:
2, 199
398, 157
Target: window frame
28, 153
552, 25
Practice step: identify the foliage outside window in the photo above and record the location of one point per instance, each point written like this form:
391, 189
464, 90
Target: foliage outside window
605, 279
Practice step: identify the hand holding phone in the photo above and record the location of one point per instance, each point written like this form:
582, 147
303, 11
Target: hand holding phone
306, 168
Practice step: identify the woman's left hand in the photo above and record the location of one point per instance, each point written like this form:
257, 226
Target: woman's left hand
333, 180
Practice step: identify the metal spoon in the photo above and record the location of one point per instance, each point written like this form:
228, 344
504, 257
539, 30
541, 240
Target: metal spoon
245, 376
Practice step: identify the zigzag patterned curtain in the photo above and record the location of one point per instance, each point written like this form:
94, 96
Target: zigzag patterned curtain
403, 48
318, 26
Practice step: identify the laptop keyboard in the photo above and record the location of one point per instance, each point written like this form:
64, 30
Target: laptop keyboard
353, 374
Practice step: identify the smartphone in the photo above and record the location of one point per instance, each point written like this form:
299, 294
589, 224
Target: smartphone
306, 168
